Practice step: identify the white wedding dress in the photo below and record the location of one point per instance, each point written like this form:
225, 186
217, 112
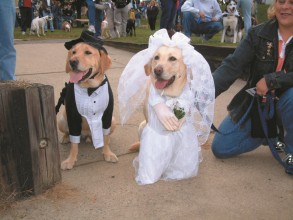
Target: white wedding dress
165, 154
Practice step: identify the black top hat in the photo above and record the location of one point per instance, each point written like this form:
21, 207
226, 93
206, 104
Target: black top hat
88, 38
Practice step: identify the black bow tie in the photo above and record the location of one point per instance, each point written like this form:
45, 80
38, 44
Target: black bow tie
91, 90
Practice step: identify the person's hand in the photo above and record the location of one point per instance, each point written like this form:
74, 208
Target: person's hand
202, 15
167, 117
214, 19
261, 87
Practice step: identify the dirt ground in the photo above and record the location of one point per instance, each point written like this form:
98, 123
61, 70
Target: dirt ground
251, 186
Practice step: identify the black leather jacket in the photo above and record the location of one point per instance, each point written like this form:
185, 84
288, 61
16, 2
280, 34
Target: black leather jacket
258, 52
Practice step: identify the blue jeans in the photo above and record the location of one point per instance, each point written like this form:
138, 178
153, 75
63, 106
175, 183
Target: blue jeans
246, 12
91, 12
45, 13
240, 141
98, 22
7, 51
190, 26
168, 8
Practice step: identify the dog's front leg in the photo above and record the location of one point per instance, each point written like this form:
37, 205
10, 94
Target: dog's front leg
223, 34
72, 158
108, 154
38, 31
235, 36
43, 30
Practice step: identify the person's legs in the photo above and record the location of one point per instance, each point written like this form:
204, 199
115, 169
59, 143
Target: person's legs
7, 51
91, 12
238, 142
246, 6
285, 109
22, 20
168, 8
124, 17
98, 22
210, 28
189, 24
51, 22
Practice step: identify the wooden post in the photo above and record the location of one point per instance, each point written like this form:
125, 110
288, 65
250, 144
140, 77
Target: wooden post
29, 151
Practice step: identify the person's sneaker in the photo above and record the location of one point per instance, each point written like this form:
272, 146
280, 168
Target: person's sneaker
279, 146
92, 29
289, 161
23, 33
203, 38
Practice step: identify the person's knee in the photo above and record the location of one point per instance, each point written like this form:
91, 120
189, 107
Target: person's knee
218, 150
187, 15
287, 99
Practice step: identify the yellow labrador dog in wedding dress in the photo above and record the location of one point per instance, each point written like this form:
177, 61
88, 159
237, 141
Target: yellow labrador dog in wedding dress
174, 83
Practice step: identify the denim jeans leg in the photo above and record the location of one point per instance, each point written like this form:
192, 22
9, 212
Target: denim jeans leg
238, 142
285, 108
98, 23
212, 28
91, 12
7, 51
168, 8
188, 23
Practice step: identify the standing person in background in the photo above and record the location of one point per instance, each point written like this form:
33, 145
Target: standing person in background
121, 15
57, 15
245, 6
7, 51
137, 18
46, 10
25, 8
152, 13
168, 9
267, 50
202, 17
91, 15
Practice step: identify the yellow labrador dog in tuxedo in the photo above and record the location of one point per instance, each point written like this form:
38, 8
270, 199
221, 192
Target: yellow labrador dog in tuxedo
88, 99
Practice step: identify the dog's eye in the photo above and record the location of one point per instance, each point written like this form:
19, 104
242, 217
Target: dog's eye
74, 52
88, 52
156, 57
172, 58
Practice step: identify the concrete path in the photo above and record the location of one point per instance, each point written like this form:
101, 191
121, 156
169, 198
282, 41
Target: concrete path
251, 186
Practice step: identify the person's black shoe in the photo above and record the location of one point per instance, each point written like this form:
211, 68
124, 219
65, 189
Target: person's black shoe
289, 161
279, 146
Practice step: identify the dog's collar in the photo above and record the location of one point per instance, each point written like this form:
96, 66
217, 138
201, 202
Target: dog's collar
92, 90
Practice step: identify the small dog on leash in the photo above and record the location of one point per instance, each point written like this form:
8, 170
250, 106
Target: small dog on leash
105, 29
66, 26
232, 22
88, 98
130, 27
39, 23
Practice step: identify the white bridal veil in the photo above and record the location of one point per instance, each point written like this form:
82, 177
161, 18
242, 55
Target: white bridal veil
133, 81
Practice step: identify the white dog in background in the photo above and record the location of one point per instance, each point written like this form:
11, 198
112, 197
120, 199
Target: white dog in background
39, 23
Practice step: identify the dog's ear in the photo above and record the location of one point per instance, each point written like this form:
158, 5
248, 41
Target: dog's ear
67, 67
147, 69
105, 62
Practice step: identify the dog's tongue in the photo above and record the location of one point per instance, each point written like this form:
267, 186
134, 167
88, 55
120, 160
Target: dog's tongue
76, 77
161, 84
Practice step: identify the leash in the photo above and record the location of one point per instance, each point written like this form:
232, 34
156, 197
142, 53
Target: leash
268, 112
243, 118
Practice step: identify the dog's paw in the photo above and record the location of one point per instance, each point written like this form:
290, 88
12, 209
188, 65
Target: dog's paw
88, 140
110, 157
64, 139
67, 164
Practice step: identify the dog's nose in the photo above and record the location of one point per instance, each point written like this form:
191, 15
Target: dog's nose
73, 64
158, 70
